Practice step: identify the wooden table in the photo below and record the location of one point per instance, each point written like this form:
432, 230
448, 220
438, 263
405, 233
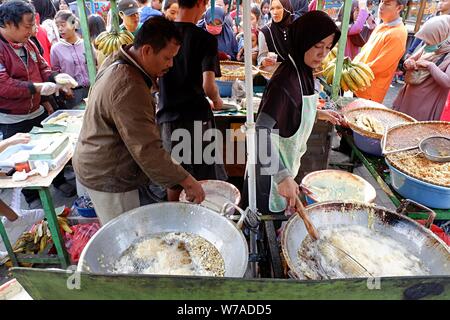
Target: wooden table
41, 184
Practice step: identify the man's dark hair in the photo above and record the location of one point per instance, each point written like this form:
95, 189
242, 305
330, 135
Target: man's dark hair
157, 32
188, 3
13, 11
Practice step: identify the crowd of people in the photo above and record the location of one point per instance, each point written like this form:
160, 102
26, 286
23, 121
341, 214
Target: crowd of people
178, 56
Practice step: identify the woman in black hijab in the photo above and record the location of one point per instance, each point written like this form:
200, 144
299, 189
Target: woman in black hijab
273, 37
288, 112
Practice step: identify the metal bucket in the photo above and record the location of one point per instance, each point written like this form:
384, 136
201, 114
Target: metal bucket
420, 240
108, 244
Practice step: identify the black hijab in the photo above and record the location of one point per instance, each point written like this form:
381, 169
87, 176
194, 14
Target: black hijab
275, 31
282, 99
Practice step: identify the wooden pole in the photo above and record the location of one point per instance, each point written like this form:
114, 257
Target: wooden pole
423, 3
87, 41
341, 49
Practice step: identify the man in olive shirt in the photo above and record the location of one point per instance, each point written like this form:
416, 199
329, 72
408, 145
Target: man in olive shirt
119, 147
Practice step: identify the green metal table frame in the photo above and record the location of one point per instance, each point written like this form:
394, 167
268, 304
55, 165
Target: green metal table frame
61, 258
61, 284
379, 171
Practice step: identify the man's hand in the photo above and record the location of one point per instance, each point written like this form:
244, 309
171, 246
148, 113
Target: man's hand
410, 64
193, 189
330, 116
289, 189
46, 88
423, 64
217, 103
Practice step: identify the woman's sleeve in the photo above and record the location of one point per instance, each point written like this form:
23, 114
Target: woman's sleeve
442, 78
263, 49
271, 163
54, 58
358, 25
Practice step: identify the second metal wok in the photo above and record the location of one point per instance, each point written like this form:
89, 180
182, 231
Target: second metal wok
419, 240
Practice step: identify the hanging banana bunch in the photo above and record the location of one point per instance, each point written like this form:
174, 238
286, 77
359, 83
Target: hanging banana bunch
330, 57
356, 76
110, 41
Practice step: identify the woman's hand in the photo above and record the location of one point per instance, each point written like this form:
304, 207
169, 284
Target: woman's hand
330, 116
19, 138
423, 64
289, 189
268, 62
410, 64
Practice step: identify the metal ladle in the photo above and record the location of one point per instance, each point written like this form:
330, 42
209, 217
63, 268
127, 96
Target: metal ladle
436, 148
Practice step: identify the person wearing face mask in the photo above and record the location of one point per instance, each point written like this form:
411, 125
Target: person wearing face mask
119, 148
226, 40
428, 73
288, 111
384, 49
442, 9
273, 37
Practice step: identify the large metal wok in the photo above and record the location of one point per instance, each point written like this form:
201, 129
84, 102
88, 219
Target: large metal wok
108, 244
419, 240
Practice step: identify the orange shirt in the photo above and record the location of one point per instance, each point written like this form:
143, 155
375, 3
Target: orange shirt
382, 53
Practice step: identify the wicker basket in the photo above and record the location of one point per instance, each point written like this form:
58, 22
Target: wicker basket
387, 117
233, 65
409, 135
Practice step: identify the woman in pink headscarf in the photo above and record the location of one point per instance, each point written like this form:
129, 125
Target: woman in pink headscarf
428, 73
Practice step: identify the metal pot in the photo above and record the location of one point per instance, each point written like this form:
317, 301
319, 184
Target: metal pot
108, 244
420, 240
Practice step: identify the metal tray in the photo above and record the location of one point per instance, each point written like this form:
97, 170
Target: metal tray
57, 113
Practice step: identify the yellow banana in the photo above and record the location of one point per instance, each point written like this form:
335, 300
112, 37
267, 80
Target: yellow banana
349, 81
363, 75
100, 38
357, 79
344, 85
101, 45
115, 43
126, 37
108, 46
43, 243
366, 69
327, 70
